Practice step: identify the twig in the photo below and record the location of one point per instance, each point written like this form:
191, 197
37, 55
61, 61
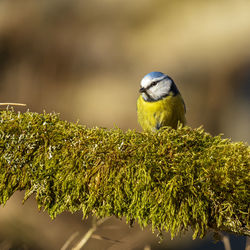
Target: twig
99, 237
88, 235
147, 247
248, 243
70, 239
12, 104
226, 241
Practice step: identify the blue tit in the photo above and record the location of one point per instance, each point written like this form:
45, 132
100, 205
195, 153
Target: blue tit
160, 103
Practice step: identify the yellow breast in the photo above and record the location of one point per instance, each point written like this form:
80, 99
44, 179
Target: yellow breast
165, 112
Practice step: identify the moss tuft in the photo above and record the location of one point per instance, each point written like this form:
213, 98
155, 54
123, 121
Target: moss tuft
173, 179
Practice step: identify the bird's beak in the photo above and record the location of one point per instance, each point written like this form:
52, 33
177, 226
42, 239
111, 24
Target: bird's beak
142, 90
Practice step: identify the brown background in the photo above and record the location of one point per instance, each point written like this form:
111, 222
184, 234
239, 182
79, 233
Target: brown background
85, 60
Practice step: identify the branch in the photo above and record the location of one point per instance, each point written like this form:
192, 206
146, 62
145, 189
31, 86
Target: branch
12, 104
173, 179
90, 233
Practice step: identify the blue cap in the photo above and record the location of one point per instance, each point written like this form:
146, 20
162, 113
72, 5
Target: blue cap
155, 74
151, 77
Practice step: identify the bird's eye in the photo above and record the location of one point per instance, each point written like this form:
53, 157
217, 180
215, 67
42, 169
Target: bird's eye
153, 84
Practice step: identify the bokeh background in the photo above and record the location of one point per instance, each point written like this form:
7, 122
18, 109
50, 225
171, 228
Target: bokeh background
85, 60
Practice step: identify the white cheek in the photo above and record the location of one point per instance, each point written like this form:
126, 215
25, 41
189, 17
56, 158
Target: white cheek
159, 91
153, 92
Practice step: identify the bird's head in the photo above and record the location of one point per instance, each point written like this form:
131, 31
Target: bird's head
156, 85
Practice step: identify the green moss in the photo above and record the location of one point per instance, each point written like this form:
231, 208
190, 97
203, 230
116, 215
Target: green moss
173, 179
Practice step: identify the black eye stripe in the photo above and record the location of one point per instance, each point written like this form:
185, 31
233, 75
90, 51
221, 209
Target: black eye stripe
154, 83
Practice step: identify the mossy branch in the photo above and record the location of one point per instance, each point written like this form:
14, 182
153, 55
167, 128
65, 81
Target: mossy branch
173, 179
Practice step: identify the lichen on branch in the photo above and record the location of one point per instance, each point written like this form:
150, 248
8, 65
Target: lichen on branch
172, 180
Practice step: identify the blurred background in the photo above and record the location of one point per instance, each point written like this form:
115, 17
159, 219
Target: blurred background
85, 60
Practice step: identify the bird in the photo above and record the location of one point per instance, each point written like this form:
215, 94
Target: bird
160, 103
